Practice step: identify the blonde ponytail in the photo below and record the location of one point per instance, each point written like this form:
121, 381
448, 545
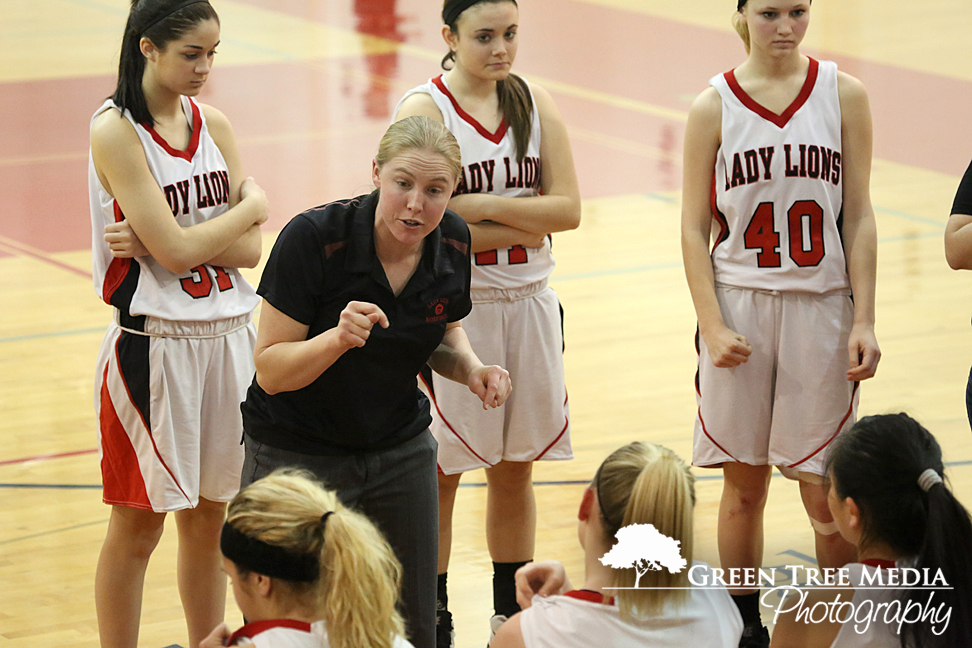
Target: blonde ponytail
358, 581
741, 27
648, 484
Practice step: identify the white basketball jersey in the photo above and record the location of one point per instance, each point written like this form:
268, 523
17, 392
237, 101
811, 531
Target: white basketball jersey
490, 165
777, 192
196, 185
285, 633
708, 619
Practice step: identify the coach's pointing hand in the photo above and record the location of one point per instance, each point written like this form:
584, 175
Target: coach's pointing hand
356, 321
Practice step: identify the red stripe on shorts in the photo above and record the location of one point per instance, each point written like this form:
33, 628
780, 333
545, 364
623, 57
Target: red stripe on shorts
449, 425
120, 472
148, 428
834, 435
554, 442
706, 433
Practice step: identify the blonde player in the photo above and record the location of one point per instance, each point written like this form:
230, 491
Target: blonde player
778, 156
638, 484
517, 186
172, 219
306, 571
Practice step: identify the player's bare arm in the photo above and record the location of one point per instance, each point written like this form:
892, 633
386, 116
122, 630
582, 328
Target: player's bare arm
958, 242
123, 170
455, 359
702, 137
559, 208
245, 252
287, 361
859, 228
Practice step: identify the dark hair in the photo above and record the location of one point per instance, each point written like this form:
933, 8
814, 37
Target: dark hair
161, 21
878, 464
515, 101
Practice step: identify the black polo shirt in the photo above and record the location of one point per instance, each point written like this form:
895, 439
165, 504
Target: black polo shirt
368, 399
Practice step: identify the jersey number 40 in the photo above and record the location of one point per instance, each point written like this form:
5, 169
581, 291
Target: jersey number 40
805, 229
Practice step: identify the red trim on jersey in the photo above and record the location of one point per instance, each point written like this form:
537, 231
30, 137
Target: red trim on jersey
121, 476
781, 119
880, 563
148, 428
554, 442
254, 628
718, 216
495, 138
193, 138
449, 425
590, 596
834, 435
706, 433
118, 268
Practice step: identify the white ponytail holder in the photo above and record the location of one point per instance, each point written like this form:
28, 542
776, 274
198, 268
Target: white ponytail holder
928, 479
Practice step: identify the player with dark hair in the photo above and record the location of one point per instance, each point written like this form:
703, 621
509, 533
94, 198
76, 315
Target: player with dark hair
517, 186
172, 220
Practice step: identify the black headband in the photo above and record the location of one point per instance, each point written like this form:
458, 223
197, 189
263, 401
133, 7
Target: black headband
267, 559
176, 8
741, 4
454, 9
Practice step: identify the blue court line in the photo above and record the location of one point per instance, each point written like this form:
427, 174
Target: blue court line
911, 217
564, 482
41, 336
52, 532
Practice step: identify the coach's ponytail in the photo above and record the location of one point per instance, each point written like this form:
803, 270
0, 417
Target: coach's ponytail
643, 483
353, 581
161, 21
515, 101
891, 467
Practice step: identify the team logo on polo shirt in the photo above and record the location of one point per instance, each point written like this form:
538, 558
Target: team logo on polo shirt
437, 310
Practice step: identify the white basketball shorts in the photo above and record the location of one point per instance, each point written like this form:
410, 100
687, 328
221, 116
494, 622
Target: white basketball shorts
790, 400
168, 403
519, 330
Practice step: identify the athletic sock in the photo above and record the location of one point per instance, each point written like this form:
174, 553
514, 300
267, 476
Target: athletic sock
441, 596
504, 587
748, 605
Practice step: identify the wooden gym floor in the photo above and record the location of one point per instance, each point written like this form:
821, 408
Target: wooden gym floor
309, 87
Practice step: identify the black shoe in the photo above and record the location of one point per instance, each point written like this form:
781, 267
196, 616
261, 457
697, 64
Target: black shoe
755, 635
445, 637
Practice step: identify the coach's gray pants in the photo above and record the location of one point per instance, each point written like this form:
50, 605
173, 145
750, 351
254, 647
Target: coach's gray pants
398, 490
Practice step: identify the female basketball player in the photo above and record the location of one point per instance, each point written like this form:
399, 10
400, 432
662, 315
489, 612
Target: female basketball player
888, 499
172, 219
306, 571
778, 154
639, 484
958, 247
358, 296
518, 185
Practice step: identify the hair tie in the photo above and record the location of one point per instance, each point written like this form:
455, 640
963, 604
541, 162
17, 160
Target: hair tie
324, 519
174, 9
928, 479
454, 9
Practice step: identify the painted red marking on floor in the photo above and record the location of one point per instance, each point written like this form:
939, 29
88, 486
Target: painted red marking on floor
60, 455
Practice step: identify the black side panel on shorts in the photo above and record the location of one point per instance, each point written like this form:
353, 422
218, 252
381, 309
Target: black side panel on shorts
133, 363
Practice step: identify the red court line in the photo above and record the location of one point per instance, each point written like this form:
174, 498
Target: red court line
60, 455
21, 249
